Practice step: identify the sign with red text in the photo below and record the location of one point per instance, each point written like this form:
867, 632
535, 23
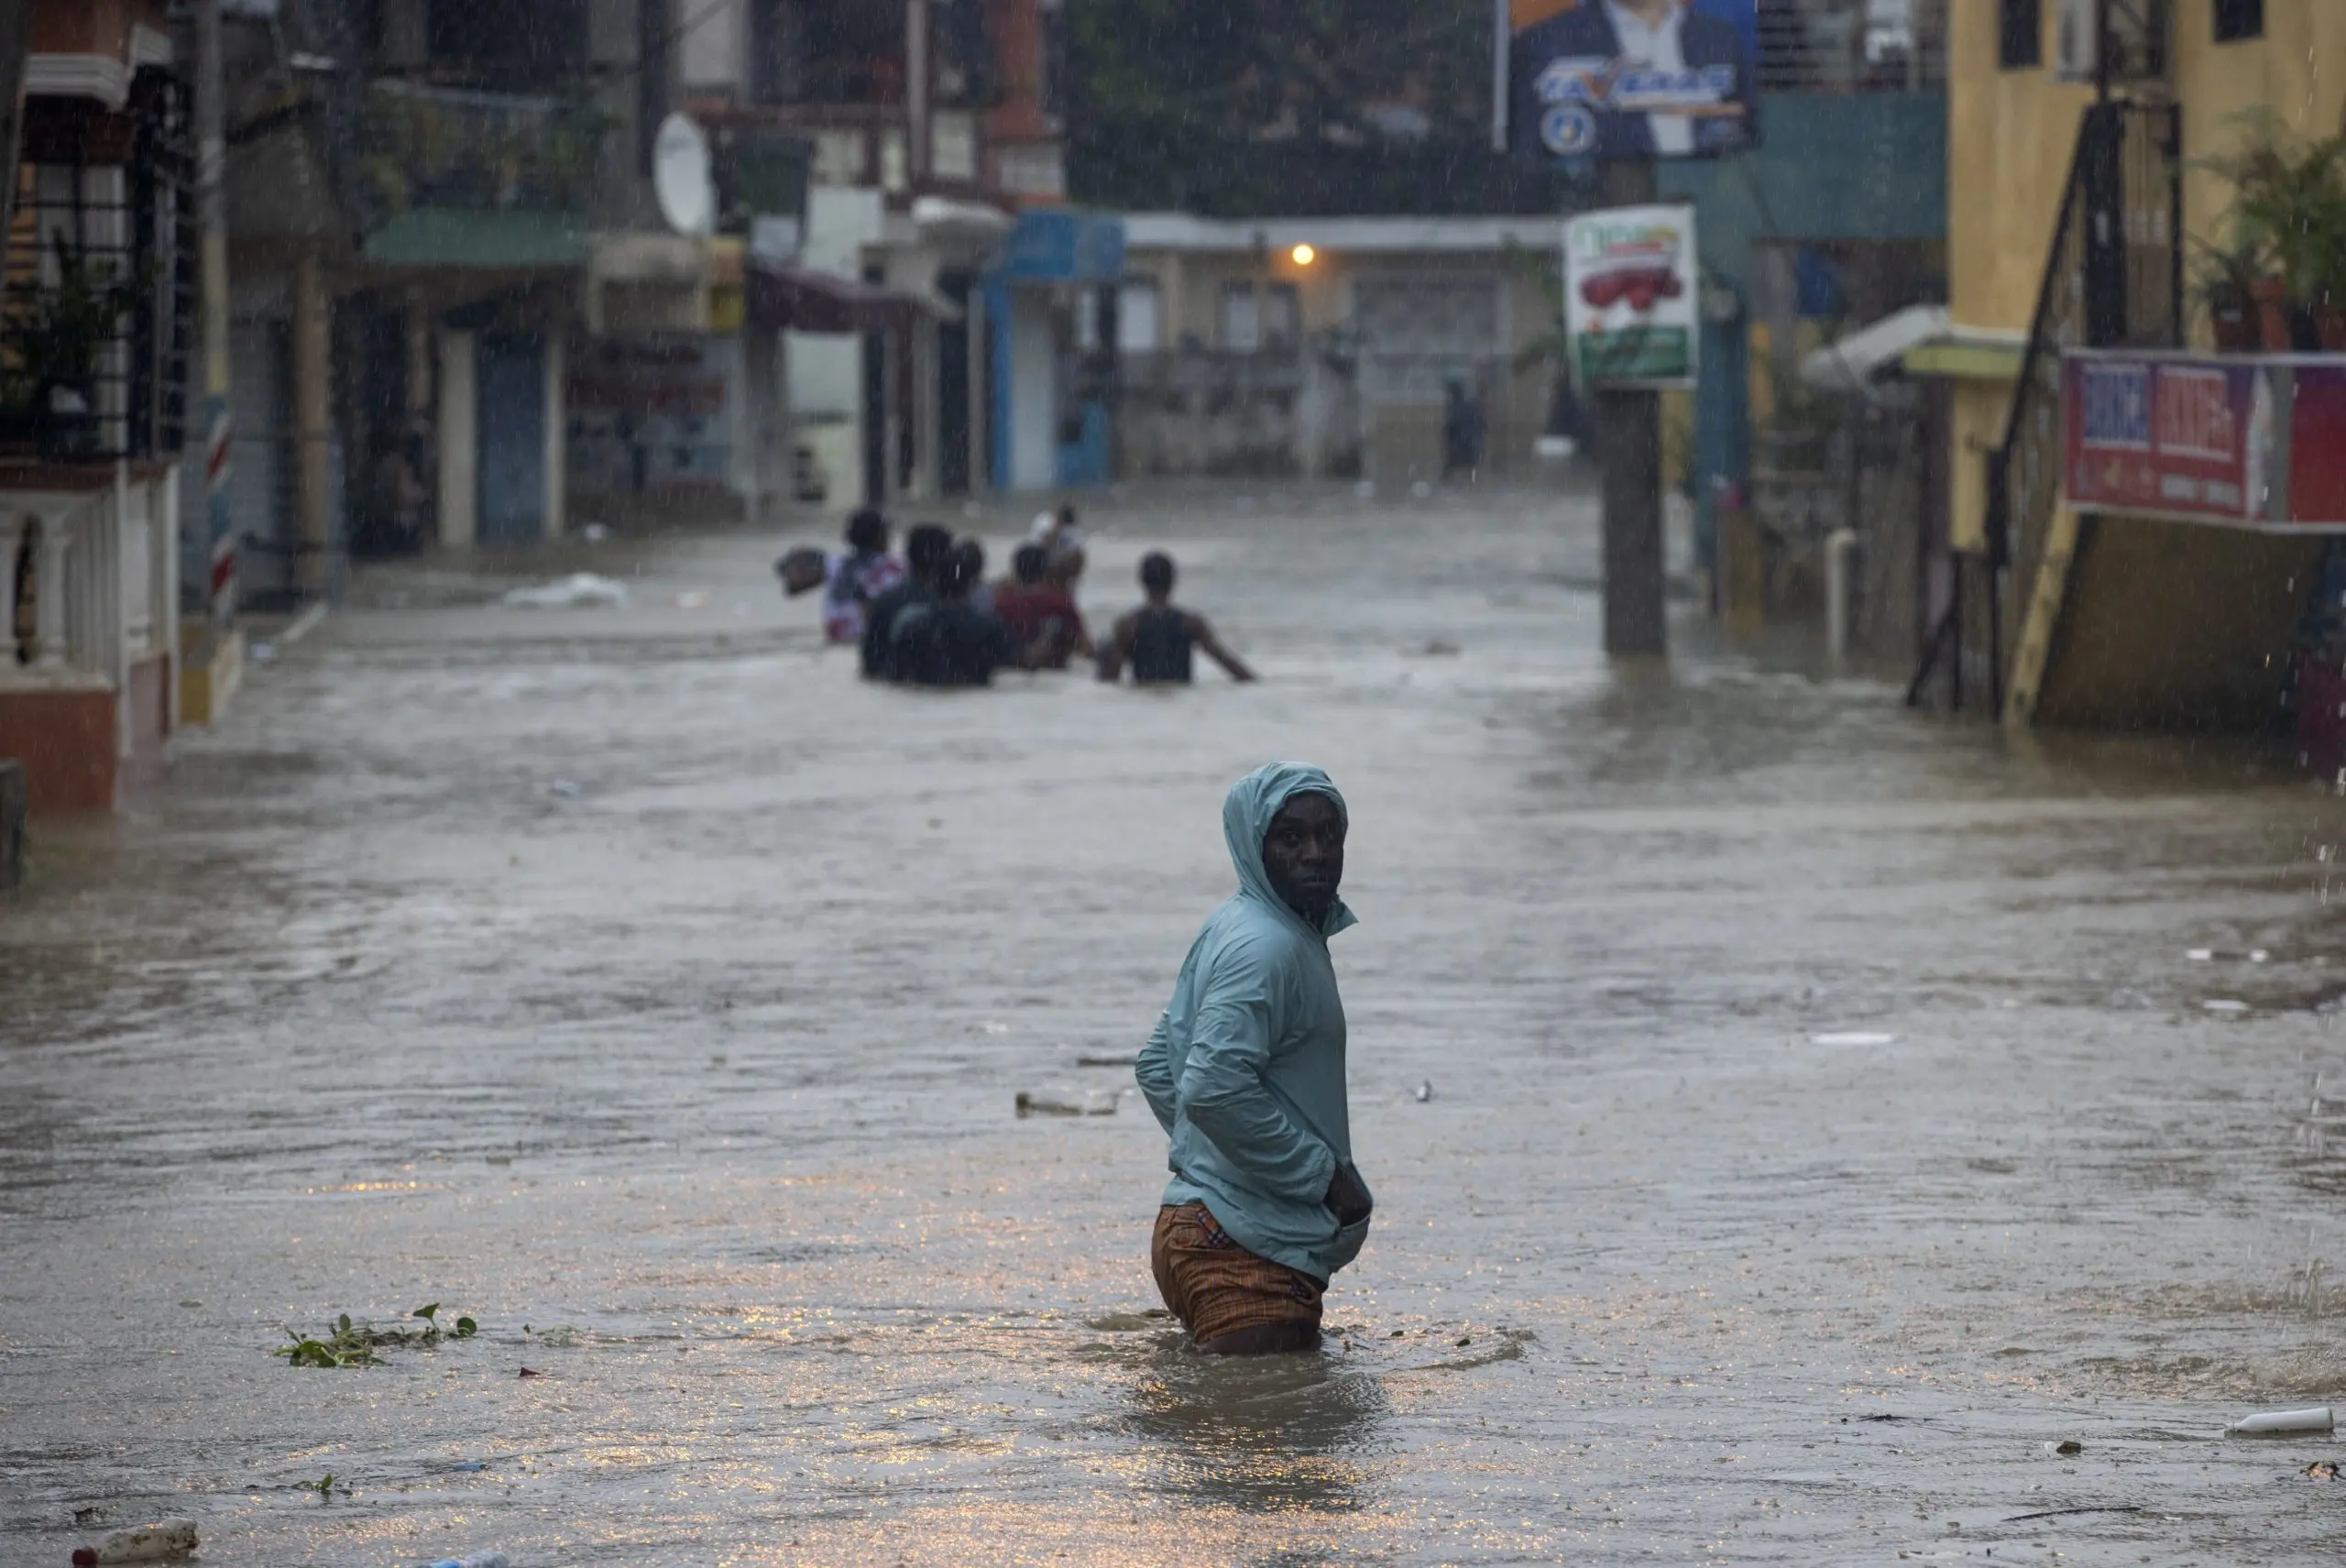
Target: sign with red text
2170, 437
2252, 441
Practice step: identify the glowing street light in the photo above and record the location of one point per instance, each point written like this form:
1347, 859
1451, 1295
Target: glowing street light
1304, 255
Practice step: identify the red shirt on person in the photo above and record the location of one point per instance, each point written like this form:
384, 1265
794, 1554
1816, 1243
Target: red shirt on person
1028, 609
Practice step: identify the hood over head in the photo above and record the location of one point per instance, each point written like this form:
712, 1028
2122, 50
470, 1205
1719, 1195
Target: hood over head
1246, 813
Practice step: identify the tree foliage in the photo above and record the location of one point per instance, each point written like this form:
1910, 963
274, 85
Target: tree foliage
1246, 107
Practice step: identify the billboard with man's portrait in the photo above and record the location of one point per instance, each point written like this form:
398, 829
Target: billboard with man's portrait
1627, 79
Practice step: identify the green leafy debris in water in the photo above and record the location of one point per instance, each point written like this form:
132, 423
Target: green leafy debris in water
345, 1343
322, 1487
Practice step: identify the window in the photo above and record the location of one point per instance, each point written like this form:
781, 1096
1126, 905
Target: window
1282, 316
1242, 319
1137, 314
2020, 34
2238, 19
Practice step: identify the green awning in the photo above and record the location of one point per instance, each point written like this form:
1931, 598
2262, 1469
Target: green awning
503, 242
1967, 359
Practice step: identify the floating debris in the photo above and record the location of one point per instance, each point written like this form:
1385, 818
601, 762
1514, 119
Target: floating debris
580, 590
2314, 1417
2068, 1445
1853, 1038
349, 1344
1068, 1103
2225, 1006
1424, 1091
147, 1544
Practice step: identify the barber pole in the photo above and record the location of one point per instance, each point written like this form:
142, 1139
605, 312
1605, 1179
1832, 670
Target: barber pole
215, 498
212, 217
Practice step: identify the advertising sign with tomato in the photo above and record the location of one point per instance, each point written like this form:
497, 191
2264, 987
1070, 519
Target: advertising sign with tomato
1630, 290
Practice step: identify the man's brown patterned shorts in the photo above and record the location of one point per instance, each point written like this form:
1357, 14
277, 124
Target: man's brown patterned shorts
1216, 1286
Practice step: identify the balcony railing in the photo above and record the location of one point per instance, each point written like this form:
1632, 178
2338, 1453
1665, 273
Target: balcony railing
450, 147
94, 551
1852, 46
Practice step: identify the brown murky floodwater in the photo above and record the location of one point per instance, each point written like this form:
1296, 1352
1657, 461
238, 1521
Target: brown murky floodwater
1826, 1120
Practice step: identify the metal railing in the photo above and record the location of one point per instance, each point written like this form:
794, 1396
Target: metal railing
113, 237
1852, 46
2114, 278
99, 568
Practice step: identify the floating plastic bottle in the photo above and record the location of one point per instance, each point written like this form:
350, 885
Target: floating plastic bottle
485, 1560
2316, 1418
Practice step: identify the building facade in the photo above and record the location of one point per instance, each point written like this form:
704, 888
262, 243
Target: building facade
2104, 619
927, 125
1328, 346
96, 337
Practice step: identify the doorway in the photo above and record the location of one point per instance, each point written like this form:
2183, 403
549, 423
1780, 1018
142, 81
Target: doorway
512, 394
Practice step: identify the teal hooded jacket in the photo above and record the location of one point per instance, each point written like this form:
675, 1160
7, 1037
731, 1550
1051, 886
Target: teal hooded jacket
1246, 1067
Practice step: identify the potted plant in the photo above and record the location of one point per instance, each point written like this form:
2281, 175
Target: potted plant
2289, 206
57, 333
2227, 283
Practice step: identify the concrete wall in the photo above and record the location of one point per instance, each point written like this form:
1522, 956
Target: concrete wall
459, 430
66, 739
2177, 626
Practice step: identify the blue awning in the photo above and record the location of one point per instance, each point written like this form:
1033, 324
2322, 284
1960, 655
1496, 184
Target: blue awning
1055, 245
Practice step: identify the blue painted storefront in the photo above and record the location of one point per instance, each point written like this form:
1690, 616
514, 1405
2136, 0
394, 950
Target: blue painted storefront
1047, 250
1831, 166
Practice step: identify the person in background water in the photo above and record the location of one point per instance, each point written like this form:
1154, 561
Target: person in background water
1157, 639
1062, 543
850, 579
857, 575
926, 547
1461, 428
949, 641
1246, 1071
1040, 612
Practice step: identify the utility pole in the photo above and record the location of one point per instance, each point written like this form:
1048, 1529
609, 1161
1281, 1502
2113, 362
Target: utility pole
1629, 436
211, 218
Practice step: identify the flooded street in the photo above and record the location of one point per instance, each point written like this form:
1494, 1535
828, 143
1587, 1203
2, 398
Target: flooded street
1826, 1117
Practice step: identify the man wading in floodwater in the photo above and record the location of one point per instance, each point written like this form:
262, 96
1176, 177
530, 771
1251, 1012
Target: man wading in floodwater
1246, 1071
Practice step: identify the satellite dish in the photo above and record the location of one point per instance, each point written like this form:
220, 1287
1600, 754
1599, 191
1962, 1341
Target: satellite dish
680, 177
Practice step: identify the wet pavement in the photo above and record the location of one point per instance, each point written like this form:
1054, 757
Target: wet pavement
1827, 1118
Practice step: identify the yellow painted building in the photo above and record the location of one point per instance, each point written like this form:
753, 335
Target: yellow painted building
2012, 131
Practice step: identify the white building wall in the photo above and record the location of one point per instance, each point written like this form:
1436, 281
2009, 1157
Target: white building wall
825, 373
